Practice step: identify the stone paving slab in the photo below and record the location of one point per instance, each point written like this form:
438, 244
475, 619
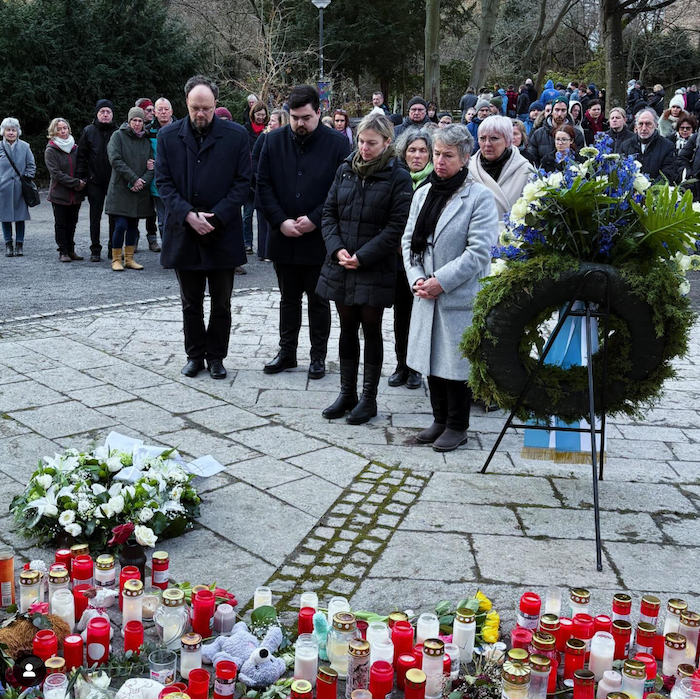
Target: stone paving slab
360, 511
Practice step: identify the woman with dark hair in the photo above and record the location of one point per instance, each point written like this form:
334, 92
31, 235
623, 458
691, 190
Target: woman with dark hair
259, 117
432, 112
363, 218
341, 122
565, 148
593, 121
687, 125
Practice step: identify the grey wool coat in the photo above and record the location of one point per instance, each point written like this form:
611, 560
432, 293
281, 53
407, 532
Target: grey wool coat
458, 254
12, 205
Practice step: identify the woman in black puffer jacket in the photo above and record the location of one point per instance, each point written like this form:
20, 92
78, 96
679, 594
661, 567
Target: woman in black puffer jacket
363, 220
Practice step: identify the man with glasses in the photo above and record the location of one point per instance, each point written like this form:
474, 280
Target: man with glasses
417, 116
203, 176
656, 153
296, 169
542, 139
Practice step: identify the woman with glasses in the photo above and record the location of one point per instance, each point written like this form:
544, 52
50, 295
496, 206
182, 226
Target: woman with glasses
687, 126
565, 150
341, 122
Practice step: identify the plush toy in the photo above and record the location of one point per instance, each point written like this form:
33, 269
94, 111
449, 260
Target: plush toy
95, 608
321, 634
257, 667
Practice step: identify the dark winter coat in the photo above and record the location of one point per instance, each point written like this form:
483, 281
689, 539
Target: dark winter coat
691, 101
658, 159
522, 106
542, 142
152, 133
367, 218
511, 107
588, 130
549, 162
294, 177
62, 167
468, 101
688, 160
129, 155
408, 124
532, 93
214, 178
253, 138
93, 163
620, 137
656, 102
255, 161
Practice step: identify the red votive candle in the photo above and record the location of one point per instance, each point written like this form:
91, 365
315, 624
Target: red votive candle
602, 623
659, 646
552, 682
326, 683
97, 641
127, 573
566, 626
80, 600
225, 679
418, 654
83, 570
203, 611
520, 637
45, 644
305, 623
650, 662
362, 627
402, 638
198, 684
133, 636
73, 651
584, 684
574, 658
622, 633
403, 664
381, 679
63, 556
446, 665
415, 684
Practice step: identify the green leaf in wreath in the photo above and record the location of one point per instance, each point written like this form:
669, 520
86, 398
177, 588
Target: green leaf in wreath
263, 615
456, 695
443, 607
89, 529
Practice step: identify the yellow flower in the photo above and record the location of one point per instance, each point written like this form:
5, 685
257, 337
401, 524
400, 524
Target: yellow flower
484, 602
490, 629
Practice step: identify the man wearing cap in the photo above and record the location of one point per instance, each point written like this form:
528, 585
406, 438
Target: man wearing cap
483, 111
203, 176
417, 116
542, 139
536, 108
148, 109
93, 168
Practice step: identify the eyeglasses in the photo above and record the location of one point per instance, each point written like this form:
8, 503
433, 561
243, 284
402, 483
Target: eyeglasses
685, 127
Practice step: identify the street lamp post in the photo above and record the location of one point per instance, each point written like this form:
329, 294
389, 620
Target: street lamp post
321, 5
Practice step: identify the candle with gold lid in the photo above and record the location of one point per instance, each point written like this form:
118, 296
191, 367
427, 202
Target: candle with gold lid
673, 615
579, 601
29, 581
132, 606
464, 633
649, 609
515, 680
634, 674
644, 640
106, 575
190, 654
540, 667
621, 607
358, 666
343, 631
433, 657
689, 627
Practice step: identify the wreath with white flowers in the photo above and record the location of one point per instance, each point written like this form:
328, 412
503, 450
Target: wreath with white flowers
82, 495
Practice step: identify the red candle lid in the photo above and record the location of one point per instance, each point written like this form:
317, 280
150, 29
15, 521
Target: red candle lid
98, 624
530, 603
650, 662
383, 669
226, 670
402, 627
622, 603
602, 623
520, 637
582, 626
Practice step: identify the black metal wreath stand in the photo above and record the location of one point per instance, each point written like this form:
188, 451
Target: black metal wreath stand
588, 312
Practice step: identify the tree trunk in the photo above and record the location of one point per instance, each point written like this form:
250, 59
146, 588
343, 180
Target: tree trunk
542, 70
489, 15
611, 21
432, 51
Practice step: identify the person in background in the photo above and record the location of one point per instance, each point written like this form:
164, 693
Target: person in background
531, 90
296, 169
341, 122
498, 166
432, 112
444, 119
686, 127
520, 139
512, 97
522, 104
689, 166
363, 219
378, 101
656, 153
669, 119
565, 149
251, 100
656, 100
618, 130
327, 121
417, 116
468, 100
66, 189
415, 150
129, 195
94, 168
451, 228
576, 115
258, 121
469, 115
223, 114
542, 140
278, 118
692, 103
536, 108
14, 153
593, 121
483, 111
149, 110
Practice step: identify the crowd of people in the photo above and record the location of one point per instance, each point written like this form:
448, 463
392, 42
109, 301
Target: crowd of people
398, 211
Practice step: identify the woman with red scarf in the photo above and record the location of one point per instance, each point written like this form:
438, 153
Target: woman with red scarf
258, 121
593, 121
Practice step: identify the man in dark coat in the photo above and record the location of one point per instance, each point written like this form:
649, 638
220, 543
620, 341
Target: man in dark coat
688, 165
94, 168
417, 116
468, 100
203, 177
656, 153
296, 169
542, 140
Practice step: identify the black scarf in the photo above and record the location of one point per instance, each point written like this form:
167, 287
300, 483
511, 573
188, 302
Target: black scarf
494, 168
435, 201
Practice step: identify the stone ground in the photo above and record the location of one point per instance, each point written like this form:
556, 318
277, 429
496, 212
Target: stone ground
306, 503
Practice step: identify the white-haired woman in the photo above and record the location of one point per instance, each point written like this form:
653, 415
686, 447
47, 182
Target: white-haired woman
452, 226
66, 191
498, 165
363, 219
15, 157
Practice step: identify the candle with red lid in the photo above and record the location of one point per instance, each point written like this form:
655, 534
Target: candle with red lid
133, 636
224, 679
529, 610
402, 638
650, 662
45, 644
404, 663
203, 604
73, 651
83, 570
574, 658
602, 623
127, 573
97, 640
81, 601
381, 679
305, 622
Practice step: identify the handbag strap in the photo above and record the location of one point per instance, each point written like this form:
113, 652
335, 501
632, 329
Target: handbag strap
14, 167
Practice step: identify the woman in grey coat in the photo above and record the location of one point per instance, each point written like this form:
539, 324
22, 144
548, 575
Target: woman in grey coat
13, 208
452, 226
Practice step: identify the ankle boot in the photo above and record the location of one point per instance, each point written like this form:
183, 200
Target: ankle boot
9, 250
117, 265
367, 407
129, 258
19, 249
347, 399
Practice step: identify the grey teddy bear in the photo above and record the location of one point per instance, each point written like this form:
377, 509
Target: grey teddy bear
257, 667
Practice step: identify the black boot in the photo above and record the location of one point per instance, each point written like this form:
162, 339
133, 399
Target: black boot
400, 376
9, 250
19, 249
347, 399
367, 407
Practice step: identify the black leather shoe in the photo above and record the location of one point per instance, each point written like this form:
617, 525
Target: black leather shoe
399, 377
216, 369
317, 369
95, 258
280, 363
415, 379
192, 368
430, 434
450, 439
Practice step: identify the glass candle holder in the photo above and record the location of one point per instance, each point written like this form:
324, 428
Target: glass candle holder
382, 649
464, 632
645, 638
190, 653
306, 658
55, 686
579, 601
133, 600
29, 582
133, 636
150, 602
515, 680
225, 679
649, 610
428, 626
415, 684
433, 656
162, 664
343, 631
308, 599
583, 629
203, 605
574, 658
602, 623
377, 630
552, 601
59, 579
337, 604
198, 684
63, 604
602, 654
82, 571
540, 667
529, 610
689, 627
73, 651
634, 673
126, 573
403, 664
381, 680
609, 683
262, 597
160, 570
584, 684
7, 576
305, 621
452, 649
651, 670
106, 575
358, 667
45, 644
622, 633
172, 618
326, 683
80, 600
621, 607
402, 638
673, 615
674, 653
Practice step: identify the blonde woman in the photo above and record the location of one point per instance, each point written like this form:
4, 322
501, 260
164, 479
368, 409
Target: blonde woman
278, 119
66, 191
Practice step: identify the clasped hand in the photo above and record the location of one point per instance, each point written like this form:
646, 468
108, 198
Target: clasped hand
345, 259
427, 288
198, 221
295, 228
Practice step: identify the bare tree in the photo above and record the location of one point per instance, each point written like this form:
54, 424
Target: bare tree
432, 51
489, 15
